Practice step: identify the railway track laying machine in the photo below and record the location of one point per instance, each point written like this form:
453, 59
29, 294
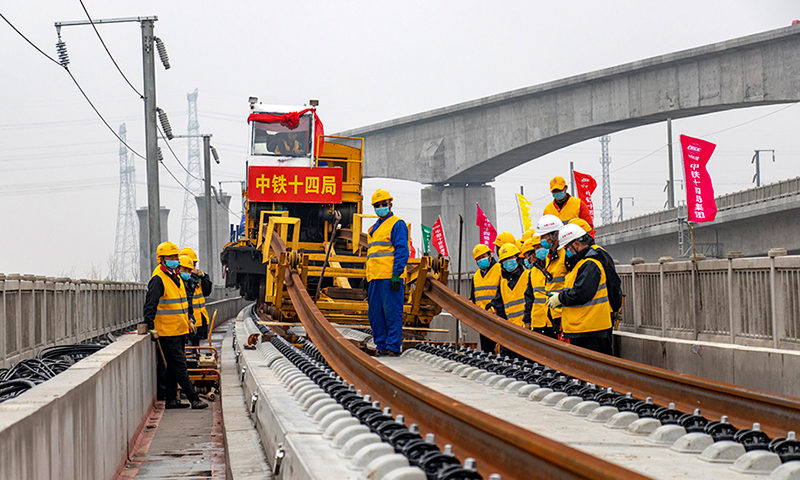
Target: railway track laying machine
303, 211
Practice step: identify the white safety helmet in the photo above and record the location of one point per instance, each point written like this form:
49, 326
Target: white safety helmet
568, 233
548, 224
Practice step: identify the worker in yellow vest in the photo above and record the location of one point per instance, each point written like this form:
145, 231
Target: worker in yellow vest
586, 311
615, 295
201, 287
536, 293
509, 302
167, 312
387, 257
547, 229
564, 206
484, 285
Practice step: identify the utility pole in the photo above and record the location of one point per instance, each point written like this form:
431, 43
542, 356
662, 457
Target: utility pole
151, 139
209, 222
149, 42
671, 184
757, 160
620, 204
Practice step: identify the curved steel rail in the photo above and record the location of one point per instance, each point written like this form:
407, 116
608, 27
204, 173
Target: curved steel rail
743, 406
499, 446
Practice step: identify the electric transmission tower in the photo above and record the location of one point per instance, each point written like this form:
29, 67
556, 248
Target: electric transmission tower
189, 227
607, 213
125, 264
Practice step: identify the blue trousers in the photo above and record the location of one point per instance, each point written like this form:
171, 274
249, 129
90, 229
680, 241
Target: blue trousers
386, 315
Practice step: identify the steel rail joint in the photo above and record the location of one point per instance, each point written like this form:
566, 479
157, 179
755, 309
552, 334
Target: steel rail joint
776, 413
499, 446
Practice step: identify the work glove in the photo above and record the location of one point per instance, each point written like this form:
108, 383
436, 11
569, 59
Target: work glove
397, 284
153, 334
527, 326
554, 302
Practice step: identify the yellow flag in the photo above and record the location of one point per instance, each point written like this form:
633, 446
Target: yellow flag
524, 212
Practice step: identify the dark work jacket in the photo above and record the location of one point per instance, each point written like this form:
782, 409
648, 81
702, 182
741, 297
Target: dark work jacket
155, 290
512, 278
526, 318
585, 287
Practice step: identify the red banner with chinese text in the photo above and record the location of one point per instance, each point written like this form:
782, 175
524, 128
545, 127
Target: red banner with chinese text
486, 230
437, 238
699, 189
585, 185
294, 184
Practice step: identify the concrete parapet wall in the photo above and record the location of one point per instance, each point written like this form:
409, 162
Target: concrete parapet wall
745, 301
79, 424
773, 370
38, 311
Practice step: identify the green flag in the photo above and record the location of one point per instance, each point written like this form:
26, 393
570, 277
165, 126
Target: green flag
426, 239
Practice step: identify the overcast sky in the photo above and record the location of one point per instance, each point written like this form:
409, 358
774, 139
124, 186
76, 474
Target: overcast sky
366, 62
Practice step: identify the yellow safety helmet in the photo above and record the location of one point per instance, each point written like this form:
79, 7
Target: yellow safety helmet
480, 249
528, 234
381, 195
519, 243
581, 223
507, 251
189, 253
528, 246
503, 238
557, 183
186, 261
167, 249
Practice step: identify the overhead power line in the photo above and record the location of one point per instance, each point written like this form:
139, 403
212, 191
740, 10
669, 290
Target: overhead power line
108, 51
76, 84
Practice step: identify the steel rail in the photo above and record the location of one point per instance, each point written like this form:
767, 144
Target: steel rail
499, 446
743, 406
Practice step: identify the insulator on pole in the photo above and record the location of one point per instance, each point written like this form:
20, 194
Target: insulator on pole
63, 56
162, 117
162, 52
160, 156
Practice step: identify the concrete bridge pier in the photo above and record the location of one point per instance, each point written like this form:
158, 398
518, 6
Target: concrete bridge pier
451, 200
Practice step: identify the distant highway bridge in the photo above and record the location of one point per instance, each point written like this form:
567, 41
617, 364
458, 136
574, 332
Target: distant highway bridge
456, 150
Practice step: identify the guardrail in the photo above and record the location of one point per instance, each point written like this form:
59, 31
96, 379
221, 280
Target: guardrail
38, 311
747, 301
773, 191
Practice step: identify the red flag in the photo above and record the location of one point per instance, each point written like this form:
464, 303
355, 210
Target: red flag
437, 238
585, 185
412, 252
699, 189
486, 230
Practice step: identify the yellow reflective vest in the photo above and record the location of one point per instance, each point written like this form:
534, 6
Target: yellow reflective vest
571, 209
380, 251
172, 313
538, 284
485, 286
592, 316
199, 307
514, 299
558, 272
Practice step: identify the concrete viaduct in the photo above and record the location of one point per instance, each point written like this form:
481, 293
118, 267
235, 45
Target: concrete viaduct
457, 149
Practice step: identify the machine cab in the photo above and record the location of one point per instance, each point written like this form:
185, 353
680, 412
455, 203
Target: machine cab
274, 143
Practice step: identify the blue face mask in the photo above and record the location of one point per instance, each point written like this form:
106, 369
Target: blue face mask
546, 245
528, 265
541, 254
559, 196
382, 211
568, 253
186, 276
510, 265
483, 263
172, 264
